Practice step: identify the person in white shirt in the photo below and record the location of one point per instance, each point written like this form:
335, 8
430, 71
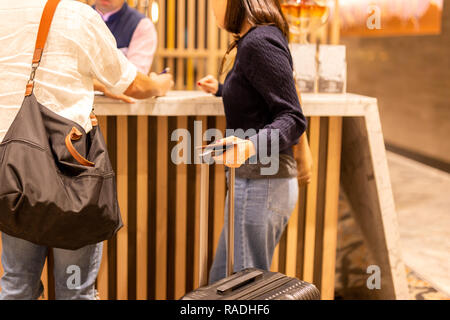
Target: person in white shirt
79, 48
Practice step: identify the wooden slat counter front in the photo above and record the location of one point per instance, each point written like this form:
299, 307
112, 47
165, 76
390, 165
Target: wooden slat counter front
155, 254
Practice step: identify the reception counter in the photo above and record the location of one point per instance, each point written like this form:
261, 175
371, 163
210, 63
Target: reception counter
155, 254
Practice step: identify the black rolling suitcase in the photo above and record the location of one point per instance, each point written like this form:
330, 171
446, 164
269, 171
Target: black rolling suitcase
247, 284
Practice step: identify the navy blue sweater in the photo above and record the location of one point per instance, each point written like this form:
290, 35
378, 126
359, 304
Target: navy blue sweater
123, 23
259, 91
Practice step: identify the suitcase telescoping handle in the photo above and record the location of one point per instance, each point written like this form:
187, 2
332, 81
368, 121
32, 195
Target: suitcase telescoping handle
230, 233
203, 237
203, 229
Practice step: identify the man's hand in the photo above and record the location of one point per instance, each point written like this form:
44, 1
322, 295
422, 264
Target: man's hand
100, 87
155, 85
120, 97
163, 81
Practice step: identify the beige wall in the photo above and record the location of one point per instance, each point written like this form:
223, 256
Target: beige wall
411, 78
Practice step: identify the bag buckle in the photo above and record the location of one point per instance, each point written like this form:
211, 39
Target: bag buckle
34, 67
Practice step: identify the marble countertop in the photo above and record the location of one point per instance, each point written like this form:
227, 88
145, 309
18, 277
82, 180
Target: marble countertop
189, 103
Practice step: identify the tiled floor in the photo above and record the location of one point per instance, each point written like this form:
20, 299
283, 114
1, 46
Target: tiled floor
422, 197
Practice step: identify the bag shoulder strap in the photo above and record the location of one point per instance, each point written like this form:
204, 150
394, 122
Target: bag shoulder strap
44, 27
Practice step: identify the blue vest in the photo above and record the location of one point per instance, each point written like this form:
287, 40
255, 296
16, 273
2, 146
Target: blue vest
123, 23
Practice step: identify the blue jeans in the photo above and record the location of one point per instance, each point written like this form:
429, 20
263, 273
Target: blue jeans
262, 210
75, 271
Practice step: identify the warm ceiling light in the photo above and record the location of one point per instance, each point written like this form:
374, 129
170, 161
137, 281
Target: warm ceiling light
155, 12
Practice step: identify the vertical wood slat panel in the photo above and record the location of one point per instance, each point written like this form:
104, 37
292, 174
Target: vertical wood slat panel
152, 205
310, 215
132, 160
201, 22
160, 27
220, 191
201, 36
331, 208
282, 247
212, 195
181, 43
291, 241
181, 245
170, 31
198, 140
142, 209
181, 221
275, 260
301, 226
50, 274
171, 28
161, 208
212, 42
171, 210
191, 43
102, 279
190, 208
190, 81
122, 194
112, 243
335, 24
320, 196
296, 268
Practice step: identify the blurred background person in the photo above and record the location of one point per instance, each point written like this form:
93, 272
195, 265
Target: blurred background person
135, 34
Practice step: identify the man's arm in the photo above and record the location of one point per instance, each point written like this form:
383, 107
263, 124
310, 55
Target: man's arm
98, 86
100, 59
142, 87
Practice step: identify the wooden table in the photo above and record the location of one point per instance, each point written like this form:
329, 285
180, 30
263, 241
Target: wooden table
155, 255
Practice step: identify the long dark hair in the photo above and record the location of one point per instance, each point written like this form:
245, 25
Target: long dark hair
258, 12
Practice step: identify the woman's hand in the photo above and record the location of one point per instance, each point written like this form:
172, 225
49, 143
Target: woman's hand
237, 155
209, 84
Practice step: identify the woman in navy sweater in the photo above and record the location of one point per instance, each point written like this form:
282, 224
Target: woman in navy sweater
263, 113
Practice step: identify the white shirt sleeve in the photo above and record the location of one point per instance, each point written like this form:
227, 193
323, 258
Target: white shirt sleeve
100, 57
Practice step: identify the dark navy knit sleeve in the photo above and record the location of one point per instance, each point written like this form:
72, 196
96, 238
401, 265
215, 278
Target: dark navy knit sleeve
268, 68
219, 90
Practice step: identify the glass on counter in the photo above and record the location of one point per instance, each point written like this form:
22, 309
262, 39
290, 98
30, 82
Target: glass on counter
332, 75
304, 17
305, 66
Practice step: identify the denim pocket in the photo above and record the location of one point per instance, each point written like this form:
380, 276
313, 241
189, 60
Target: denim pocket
282, 195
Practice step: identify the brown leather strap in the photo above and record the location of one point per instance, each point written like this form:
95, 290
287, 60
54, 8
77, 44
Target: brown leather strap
44, 27
75, 134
